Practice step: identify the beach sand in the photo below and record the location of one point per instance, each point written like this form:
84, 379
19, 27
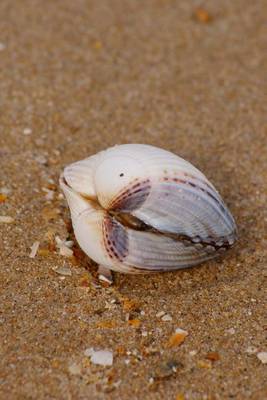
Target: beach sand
77, 77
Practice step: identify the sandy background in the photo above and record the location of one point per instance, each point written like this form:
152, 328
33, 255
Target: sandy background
79, 76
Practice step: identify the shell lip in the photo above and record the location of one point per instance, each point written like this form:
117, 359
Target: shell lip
77, 203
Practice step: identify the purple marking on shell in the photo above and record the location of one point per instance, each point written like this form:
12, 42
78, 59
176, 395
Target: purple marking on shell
132, 197
115, 238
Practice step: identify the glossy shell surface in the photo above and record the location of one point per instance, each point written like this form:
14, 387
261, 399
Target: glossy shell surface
137, 208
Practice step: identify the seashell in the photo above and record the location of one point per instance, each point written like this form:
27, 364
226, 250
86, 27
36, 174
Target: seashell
137, 208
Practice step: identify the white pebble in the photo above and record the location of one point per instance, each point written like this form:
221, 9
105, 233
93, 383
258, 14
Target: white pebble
2, 46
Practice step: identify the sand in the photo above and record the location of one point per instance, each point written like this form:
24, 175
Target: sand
75, 78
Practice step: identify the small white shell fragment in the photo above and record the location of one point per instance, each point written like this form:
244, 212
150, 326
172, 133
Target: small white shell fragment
49, 194
66, 271
27, 131
251, 349
231, 331
166, 318
177, 338
64, 247
66, 243
5, 219
262, 356
139, 209
160, 314
75, 369
105, 279
192, 353
5, 190
100, 357
65, 251
41, 159
105, 275
181, 331
34, 249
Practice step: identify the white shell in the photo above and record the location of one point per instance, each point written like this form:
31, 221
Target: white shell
182, 218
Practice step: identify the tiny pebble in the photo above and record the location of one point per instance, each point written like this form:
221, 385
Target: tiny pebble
3, 197
2, 46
